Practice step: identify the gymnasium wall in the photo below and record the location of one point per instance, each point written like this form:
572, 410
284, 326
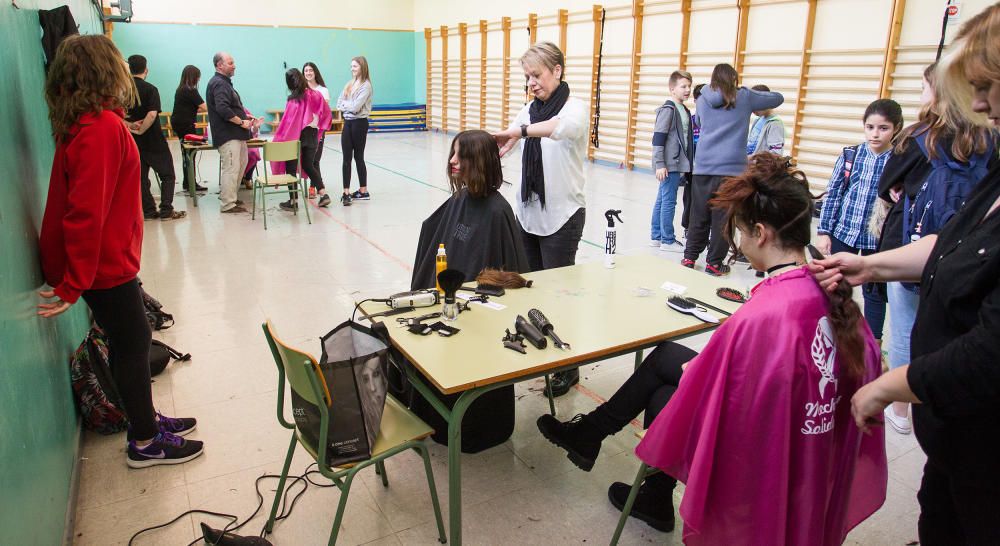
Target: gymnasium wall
38, 422
263, 53
830, 58
371, 14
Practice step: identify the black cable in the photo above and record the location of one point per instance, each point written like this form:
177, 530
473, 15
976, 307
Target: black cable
944, 30
285, 504
594, 136
358, 306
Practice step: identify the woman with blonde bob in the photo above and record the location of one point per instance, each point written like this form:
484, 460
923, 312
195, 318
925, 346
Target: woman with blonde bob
953, 377
91, 236
551, 207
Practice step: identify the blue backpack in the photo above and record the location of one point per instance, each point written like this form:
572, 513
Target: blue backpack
943, 192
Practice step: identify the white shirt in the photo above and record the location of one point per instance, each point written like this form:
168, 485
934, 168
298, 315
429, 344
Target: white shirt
563, 156
314, 122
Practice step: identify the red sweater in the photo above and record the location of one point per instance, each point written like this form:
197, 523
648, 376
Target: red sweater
92, 229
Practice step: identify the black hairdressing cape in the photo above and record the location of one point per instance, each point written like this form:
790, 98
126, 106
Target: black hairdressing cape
477, 233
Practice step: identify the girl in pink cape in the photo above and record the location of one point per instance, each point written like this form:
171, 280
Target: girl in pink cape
758, 426
307, 117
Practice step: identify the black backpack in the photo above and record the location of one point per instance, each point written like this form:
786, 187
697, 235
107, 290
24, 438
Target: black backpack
157, 317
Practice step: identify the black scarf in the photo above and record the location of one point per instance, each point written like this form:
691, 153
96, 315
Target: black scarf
532, 175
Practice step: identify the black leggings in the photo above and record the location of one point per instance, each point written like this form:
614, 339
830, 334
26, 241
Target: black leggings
956, 511
648, 389
309, 144
120, 313
352, 140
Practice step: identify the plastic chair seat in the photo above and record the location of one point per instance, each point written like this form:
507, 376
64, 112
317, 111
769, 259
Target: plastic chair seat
399, 425
278, 180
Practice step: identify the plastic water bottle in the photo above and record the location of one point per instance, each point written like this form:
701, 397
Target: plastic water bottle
440, 264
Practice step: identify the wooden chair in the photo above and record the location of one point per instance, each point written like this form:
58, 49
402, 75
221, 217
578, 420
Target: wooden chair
400, 430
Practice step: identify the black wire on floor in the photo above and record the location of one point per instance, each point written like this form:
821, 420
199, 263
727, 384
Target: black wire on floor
304, 479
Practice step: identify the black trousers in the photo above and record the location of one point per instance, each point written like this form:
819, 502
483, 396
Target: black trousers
160, 160
310, 146
706, 224
686, 201
319, 155
558, 249
957, 513
120, 313
352, 141
648, 389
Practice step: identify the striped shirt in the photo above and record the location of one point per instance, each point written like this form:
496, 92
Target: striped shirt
848, 206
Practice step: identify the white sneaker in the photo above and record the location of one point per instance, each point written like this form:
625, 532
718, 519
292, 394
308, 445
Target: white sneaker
654, 242
675, 246
899, 424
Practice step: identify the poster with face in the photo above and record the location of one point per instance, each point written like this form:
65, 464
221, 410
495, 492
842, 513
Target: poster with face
372, 386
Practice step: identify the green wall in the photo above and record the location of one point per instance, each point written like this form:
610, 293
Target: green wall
262, 54
39, 431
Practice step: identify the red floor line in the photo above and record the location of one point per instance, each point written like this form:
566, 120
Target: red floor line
348, 227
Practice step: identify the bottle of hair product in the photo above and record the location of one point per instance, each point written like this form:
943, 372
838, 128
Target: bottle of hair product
441, 263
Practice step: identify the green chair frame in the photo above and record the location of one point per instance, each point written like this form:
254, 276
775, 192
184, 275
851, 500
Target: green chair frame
303, 375
272, 184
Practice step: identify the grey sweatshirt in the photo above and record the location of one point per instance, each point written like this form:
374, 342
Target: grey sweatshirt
673, 148
722, 146
359, 104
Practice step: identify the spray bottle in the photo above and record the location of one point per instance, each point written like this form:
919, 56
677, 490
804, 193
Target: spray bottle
610, 237
440, 264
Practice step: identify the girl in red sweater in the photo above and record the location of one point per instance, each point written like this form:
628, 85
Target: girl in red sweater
91, 235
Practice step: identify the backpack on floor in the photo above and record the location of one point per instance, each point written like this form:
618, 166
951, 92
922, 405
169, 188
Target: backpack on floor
160, 354
157, 317
94, 387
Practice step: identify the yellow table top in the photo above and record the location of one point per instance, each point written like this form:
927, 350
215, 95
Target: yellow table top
594, 309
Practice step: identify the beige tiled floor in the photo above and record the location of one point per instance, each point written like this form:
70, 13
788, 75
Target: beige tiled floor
222, 276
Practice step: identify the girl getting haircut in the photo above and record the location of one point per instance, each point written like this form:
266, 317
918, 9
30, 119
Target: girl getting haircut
480, 172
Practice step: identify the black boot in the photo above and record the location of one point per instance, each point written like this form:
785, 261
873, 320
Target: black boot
654, 504
562, 382
579, 437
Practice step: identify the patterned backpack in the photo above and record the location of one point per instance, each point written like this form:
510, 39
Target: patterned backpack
93, 385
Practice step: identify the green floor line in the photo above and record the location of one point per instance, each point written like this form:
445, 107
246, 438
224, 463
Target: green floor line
422, 183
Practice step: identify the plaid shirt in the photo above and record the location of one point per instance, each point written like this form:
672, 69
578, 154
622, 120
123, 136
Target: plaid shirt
848, 206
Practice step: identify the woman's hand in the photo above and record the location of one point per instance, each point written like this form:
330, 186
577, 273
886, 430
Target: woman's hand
661, 174
51, 309
506, 140
867, 405
823, 244
841, 267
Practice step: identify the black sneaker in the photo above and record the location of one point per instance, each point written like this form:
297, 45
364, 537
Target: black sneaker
153, 216
651, 506
288, 205
179, 426
324, 200
717, 270
359, 196
345, 200
562, 382
200, 188
166, 448
173, 215
578, 437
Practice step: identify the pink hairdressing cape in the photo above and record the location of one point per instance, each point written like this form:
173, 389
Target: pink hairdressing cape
298, 113
760, 428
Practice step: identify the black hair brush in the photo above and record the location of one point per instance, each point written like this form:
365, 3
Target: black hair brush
450, 280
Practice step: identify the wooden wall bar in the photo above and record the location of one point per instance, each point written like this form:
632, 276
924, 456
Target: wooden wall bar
826, 86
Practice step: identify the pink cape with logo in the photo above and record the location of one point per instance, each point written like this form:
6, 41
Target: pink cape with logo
760, 428
298, 113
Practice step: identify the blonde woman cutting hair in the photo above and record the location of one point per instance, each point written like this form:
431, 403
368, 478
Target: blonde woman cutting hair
551, 207
355, 103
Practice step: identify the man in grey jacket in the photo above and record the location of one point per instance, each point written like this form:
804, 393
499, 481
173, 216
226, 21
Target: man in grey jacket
673, 152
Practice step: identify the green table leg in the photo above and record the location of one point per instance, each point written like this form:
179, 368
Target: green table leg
638, 359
